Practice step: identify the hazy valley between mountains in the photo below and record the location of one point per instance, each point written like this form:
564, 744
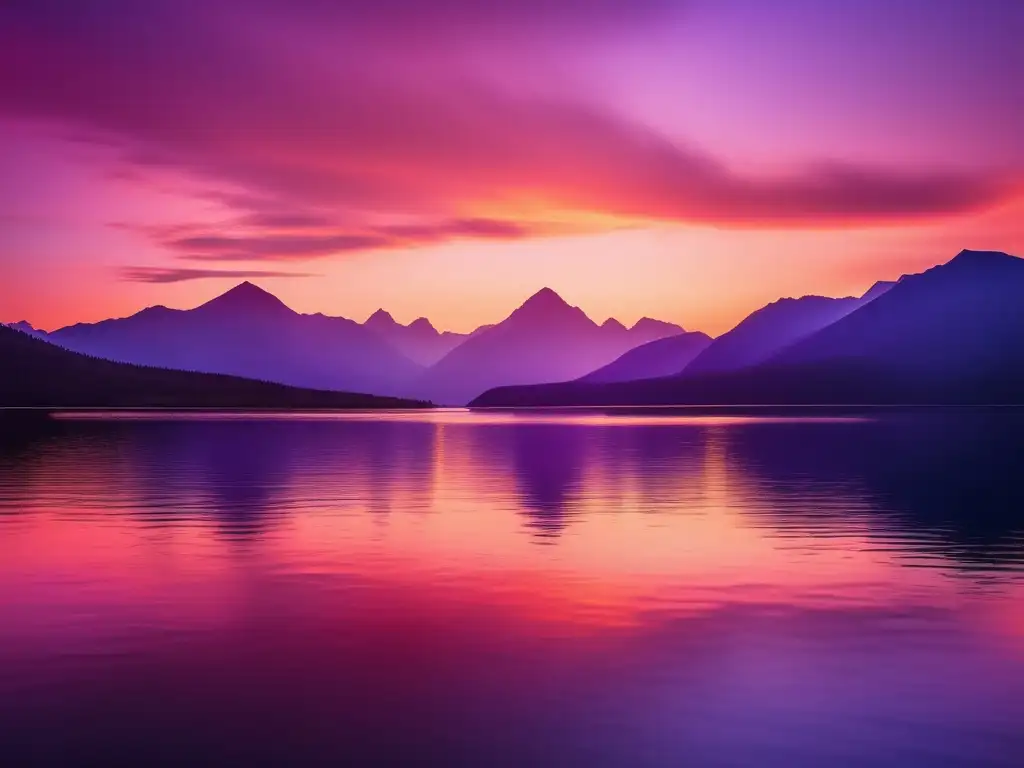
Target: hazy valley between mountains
953, 334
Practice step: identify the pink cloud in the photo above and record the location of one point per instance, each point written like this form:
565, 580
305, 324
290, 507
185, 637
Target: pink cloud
161, 275
270, 245
254, 102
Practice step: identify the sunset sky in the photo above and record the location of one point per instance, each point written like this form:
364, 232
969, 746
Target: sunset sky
684, 159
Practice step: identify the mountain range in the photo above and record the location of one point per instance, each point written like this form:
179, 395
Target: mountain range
775, 326
953, 334
27, 328
50, 377
419, 340
661, 357
249, 332
544, 340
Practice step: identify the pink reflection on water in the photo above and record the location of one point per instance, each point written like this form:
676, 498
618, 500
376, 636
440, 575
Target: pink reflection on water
694, 581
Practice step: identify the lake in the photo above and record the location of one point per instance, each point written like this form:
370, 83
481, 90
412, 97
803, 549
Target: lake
457, 588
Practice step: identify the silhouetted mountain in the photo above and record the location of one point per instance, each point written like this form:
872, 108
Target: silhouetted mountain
654, 329
249, 332
955, 322
954, 334
662, 357
876, 290
847, 383
48, 376
545, 339
246, 299
774, 327
26, 327
419, 341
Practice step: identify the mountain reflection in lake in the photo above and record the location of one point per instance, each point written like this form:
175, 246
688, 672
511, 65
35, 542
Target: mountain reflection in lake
476, 589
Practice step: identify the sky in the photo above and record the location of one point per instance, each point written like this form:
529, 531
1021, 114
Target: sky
690, 160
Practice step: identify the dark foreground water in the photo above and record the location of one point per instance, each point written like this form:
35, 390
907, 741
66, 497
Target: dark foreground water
457, 589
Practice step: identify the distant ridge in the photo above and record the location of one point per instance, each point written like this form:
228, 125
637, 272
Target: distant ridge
26, 327
51, 377
973, 259
775, 326
951, 335
949, 321
648, 325
249, 332
661, 357
544, 339
419, 340
876, 290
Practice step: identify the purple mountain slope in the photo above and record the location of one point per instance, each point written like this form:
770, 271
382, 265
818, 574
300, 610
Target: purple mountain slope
51, 377
544, 340
774, 327
876, 290
419, 341
26, 327
951, 335
650, 329
661, 357
249, 332
953, 320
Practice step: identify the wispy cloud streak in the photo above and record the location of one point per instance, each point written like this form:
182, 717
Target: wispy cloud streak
163, 275
318, 107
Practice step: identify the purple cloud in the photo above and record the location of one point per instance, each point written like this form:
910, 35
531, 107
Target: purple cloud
179, 275
317, 106
271, 246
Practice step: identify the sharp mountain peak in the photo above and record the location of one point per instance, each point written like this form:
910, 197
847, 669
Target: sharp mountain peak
380, 317
547, 306
247, 296
422, 324
546, 297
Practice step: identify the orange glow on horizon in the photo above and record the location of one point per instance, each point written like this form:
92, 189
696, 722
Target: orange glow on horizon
702, 278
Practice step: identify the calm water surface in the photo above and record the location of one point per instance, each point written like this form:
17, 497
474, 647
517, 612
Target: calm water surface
464, 589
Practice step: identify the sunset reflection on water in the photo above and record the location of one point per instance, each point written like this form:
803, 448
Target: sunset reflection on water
620, 589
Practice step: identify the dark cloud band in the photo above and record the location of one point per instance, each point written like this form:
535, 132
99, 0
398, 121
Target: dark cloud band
179, 275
